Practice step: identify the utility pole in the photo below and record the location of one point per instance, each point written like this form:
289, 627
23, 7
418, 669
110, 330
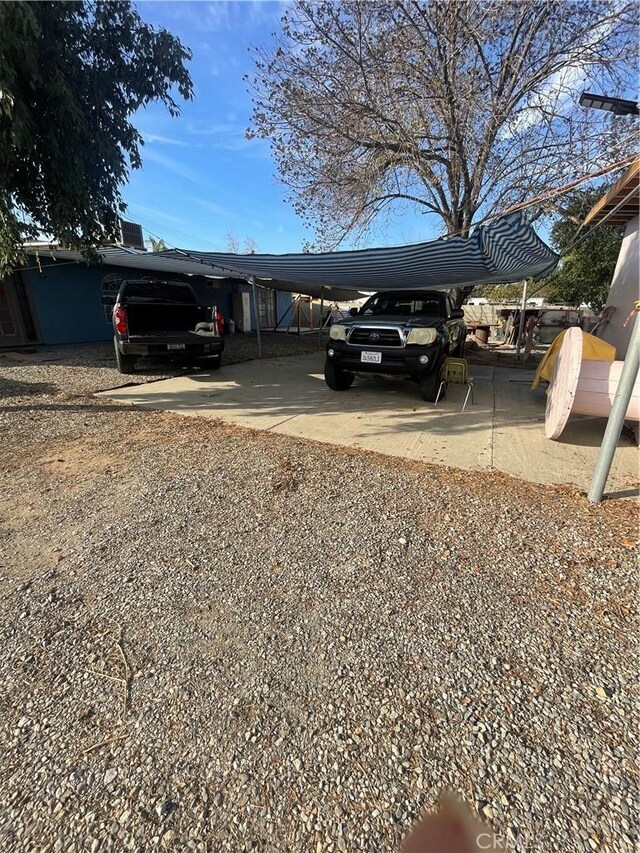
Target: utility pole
619, 408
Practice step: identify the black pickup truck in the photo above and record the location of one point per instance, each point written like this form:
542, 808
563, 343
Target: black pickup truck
152, 317
400, 332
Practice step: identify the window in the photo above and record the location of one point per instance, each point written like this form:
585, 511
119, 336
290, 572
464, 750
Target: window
266, 307
405, 304
159, 291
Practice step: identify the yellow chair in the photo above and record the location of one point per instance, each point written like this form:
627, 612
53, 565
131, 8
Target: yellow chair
456, 370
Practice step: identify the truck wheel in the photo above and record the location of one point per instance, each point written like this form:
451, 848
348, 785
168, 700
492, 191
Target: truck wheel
336, 379
212, 363
126, 363
430, 383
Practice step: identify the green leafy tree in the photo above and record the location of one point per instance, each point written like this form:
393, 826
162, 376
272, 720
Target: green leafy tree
505, 292
499, 292
586, 272
71, 77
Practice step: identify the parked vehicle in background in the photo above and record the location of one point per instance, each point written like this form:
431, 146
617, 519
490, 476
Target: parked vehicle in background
397, 332
153, 317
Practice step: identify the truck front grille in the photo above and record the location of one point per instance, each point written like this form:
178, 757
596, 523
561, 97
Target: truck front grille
375, 337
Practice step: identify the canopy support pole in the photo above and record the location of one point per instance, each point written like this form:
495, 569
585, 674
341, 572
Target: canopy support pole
252, 282
616, 416
320, 326
522, 317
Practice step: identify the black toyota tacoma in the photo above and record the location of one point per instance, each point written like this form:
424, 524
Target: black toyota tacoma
153, 317
406, 332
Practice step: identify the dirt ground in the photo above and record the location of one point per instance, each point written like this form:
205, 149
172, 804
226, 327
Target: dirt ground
220, 639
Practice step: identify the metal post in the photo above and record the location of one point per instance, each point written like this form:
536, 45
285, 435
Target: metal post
522, 313
616, 416
252, 282
320, 327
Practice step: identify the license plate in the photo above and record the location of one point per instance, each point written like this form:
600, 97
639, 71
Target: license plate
371, 357
176, 346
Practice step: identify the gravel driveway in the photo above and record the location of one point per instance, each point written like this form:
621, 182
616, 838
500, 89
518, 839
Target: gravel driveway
215, 639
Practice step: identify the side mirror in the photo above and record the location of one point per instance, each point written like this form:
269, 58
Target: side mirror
353, 312
457, 314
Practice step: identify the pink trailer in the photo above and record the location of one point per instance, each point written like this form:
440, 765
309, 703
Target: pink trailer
582, 387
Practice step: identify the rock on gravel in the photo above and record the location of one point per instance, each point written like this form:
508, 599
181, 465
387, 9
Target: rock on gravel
198, 657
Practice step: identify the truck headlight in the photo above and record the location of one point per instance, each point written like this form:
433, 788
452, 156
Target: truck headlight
338, 332
422, 337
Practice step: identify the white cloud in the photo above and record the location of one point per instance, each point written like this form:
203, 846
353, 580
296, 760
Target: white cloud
225, 15
212, 206
172, 165
559, 92
228, 136
164, 140
136, 209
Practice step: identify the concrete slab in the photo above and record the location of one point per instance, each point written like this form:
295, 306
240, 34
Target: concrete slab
502, 430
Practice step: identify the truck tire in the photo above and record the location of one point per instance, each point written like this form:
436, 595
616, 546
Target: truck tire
126, 363
212, 363
430, 383
336, 379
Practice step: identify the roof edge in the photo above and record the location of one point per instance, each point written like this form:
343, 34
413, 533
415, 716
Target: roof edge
624, 183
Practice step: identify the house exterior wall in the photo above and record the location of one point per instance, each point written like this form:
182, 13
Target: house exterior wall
66, 303
624, 291
66, 299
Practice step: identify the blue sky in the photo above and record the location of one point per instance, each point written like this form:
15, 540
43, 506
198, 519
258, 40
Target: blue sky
201, 178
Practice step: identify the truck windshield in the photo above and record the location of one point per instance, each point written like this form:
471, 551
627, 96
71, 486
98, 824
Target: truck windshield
158, 291
404, 304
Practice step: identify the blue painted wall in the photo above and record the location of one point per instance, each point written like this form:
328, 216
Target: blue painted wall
283, 301
66, 302
68, 310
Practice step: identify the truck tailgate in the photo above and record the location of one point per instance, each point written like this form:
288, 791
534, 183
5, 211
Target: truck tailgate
150, 319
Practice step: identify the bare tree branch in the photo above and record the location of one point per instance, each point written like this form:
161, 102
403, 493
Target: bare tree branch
459, 108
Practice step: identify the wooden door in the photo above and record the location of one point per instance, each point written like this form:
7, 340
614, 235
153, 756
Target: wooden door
267, 307
11, 332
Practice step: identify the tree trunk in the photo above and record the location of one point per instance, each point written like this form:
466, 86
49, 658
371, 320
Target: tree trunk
459, 294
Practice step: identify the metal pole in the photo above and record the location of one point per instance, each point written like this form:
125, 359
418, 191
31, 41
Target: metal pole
252, 282
522, 310
321, 317
616, 416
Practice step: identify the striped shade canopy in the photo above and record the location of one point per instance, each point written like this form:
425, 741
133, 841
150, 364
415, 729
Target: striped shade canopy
505, 250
